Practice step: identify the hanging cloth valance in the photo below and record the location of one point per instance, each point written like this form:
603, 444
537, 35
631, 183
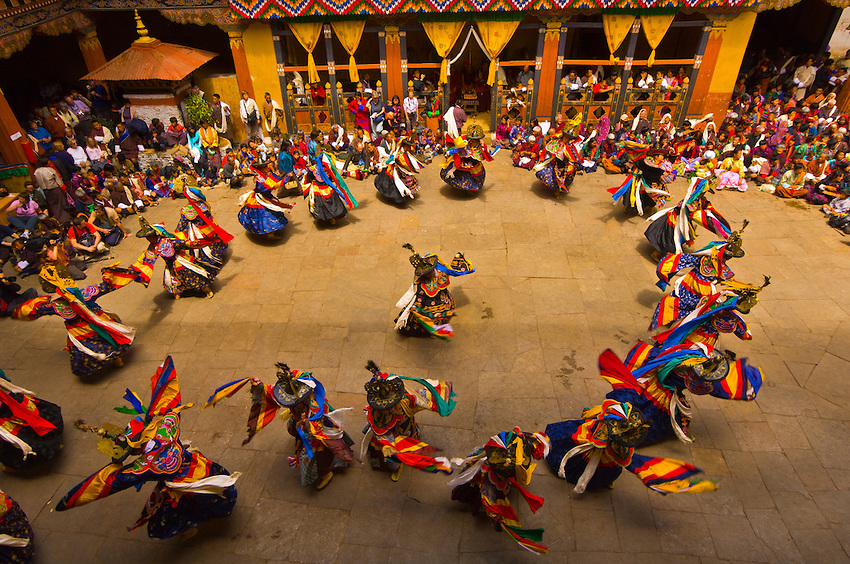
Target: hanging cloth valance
443, 36
617, 27
308, 35
655, 28
349, 34
495, 35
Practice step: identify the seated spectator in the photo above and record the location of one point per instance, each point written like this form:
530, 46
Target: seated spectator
11, 296
81, 158
175, 134
231, 172
85, 239
503, 132
108, 224
157, 135
23, 213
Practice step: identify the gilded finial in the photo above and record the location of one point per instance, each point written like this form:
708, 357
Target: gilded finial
142, 30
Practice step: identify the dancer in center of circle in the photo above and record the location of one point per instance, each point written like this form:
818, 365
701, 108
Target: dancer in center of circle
326, 191
397, 182
643, 188
558, 170
427, 305
463, 168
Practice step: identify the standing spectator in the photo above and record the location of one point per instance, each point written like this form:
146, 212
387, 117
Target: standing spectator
211, 145
271, 112
220, 117
53, 188
101, 103
250, 115
25, 213
319, 94
804, 76
525, 76
127, 142
411, 109
360, 108
54, 124
823, 75
455, 118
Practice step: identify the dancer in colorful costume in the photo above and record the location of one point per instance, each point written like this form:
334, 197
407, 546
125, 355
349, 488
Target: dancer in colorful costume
197, 224
657, 387
398, 182
30, 428
643, 188
16, 535
326, 191
190, 488
558, 169
321, 445
673, 227
427, 305
463, 168
591, 452
707, 270
714, 315
96, 338
183, 272
490, 472
392, 435
260, 212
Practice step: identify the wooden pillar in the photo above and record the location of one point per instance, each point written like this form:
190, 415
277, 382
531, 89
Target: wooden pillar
332, 101
620, 102
403, 50
382, 56
698, 58
538, 65
240, 62
287, 100
11, 134
91, 49
559, 67
721, 63
544, 79
393, 85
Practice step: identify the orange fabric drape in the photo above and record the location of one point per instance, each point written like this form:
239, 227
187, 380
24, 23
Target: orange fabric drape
443, 36
308, 35
617, 27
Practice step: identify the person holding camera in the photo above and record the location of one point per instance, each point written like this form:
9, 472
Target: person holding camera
85, 238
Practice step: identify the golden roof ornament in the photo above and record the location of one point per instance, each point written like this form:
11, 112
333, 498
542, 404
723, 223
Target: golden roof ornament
142, 30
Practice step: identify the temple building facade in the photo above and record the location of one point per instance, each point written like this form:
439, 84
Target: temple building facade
312, 56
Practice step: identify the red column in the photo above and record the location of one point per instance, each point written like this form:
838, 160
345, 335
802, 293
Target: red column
546, 87
394, 86
240, 62
706, 71
12, 151
91, 49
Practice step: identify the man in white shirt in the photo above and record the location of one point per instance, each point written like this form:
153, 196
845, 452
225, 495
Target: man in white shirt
574, 85
804, 76
78, 153
250, 114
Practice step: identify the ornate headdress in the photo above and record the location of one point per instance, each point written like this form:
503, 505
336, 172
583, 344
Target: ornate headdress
734, 242
383, 391
422, 265
475, 131
54, 276
289, 390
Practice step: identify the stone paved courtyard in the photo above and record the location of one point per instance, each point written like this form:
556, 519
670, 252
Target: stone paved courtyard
557, 282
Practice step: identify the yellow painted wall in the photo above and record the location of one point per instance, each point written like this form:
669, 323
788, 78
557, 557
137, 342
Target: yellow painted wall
735, 39
259, 48
225, 85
